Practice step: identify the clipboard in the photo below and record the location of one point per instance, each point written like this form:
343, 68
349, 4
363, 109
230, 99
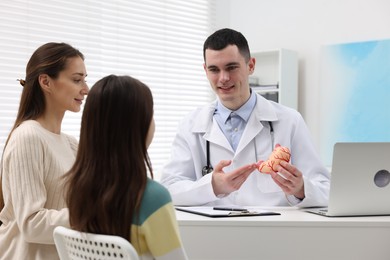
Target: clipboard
213, 213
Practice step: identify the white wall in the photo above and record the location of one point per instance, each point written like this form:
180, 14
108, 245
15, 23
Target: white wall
304, 26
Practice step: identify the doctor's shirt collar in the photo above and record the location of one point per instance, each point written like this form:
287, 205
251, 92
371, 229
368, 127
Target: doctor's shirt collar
244, 111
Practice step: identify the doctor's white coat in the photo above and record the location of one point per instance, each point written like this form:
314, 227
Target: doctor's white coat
182, 175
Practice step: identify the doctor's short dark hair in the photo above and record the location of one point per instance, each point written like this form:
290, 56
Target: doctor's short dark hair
222, 38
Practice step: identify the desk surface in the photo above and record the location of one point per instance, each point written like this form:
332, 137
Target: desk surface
294, 234
289, 216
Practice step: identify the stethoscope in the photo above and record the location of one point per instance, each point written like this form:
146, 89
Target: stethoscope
208, 168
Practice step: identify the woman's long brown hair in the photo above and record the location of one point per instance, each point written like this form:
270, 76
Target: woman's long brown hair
50, 58
106, 183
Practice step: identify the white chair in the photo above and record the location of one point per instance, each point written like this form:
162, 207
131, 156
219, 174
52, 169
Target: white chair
72, 244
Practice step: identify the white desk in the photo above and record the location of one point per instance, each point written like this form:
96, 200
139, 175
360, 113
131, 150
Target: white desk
292, 235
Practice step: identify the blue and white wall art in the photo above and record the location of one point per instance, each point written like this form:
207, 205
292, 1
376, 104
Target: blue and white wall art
355, 94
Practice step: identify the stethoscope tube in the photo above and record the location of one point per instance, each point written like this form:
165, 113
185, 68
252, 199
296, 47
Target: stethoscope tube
208, 168
271, 131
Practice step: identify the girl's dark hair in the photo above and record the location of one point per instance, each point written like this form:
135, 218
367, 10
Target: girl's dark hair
50, 58
107, 181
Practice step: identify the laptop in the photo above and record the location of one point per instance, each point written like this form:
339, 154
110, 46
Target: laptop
360, 180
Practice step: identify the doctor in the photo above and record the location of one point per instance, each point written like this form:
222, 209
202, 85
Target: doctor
214, 153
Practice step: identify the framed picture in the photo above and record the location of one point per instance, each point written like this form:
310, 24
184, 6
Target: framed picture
354, 94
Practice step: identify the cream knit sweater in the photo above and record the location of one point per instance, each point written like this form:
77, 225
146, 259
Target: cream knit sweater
33, 163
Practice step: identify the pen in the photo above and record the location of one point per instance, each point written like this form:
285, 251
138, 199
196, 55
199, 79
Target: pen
229, 209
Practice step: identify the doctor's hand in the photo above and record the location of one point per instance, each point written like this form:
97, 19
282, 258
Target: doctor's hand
225, 183
289, 179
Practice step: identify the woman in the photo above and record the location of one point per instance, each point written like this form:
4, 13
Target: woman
37, 154
109, 191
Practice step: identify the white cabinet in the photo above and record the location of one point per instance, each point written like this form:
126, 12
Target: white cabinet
276, 76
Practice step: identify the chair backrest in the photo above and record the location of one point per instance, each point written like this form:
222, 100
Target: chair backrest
72, 244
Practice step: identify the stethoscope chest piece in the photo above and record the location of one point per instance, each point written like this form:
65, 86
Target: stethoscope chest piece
207, 169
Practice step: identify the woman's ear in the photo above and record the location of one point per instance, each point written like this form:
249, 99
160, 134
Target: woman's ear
45, 82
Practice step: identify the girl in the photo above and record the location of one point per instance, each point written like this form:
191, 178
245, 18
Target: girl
109, 191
